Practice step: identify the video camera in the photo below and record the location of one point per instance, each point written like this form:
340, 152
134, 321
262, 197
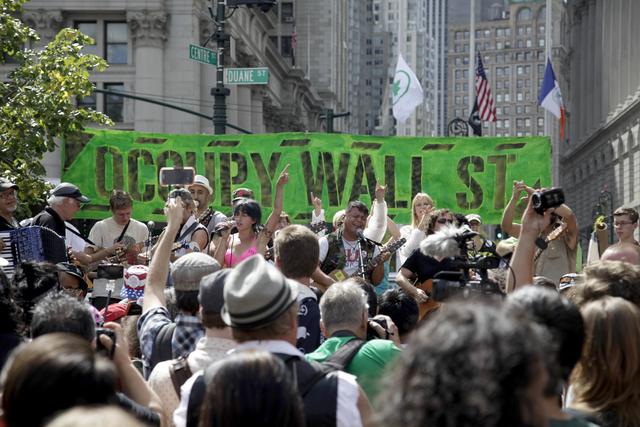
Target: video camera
453, 243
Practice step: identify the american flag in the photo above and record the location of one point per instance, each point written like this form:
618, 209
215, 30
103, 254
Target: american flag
483, 91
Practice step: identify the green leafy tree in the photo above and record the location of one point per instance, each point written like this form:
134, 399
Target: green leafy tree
37, 107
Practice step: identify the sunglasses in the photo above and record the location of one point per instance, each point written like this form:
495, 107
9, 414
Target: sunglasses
445, 221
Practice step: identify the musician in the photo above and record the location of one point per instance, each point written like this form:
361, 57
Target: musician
481, 245
561, 237
64, 202
192, 234
119, 233
339, 250
419, 267
202, 192
8, 205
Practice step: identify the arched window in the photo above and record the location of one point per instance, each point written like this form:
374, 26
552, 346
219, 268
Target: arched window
524, 14
542, 13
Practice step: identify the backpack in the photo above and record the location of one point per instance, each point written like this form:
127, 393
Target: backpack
161, 349
316, 383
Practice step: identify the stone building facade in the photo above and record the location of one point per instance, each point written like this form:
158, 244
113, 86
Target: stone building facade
600, 167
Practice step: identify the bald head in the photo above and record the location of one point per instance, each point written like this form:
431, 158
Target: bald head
627, 252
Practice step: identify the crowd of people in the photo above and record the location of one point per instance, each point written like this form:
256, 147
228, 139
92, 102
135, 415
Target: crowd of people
228, 320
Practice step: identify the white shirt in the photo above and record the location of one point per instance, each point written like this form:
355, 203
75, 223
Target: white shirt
352, 257
104, 233
348, 390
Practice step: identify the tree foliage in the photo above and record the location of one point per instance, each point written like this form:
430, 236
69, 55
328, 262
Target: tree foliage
37, 105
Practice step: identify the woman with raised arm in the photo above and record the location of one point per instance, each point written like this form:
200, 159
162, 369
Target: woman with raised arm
251, 238
421, 206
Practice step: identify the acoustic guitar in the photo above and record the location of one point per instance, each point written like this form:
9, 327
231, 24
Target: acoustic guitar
339, 274
430, 305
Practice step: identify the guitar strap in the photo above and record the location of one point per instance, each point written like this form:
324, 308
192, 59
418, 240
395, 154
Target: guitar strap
124, 230
551, 237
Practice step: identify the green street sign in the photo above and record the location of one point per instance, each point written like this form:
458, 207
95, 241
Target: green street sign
246, 76
202, 54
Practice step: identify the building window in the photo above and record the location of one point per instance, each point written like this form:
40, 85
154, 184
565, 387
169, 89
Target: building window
89, 29
499, 97
540, 42
519, 96
116, 42
507, 97
519, 123
88, 102
286, 46
527, 123
114, 104
507, 123
540, 122
287, 12
524, 14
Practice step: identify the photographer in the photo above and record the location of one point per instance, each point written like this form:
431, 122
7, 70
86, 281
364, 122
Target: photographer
557, 241
344, 317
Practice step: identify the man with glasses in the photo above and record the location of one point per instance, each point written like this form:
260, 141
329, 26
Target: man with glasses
65, 201
625, 223
8, 205
343, 251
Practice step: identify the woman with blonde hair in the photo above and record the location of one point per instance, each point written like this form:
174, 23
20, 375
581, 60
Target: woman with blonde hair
421, 206
606, 381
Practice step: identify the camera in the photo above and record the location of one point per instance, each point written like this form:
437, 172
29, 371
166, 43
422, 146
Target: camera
100, 348
372, 334
448, 284
177, 176
544, 200
110, 271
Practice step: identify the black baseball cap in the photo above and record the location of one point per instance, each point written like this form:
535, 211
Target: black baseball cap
66, 189
73, 270
5, 184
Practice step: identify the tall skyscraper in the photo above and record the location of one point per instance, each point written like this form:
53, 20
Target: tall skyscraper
512, 46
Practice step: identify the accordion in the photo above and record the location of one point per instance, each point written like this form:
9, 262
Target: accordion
37, 243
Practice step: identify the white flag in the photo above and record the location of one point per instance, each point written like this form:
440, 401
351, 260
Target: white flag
406, 89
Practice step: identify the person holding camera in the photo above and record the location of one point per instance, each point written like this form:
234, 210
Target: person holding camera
344, 319
192, 236
557, 241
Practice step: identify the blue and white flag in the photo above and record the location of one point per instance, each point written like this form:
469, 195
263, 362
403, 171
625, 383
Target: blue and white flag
550, 97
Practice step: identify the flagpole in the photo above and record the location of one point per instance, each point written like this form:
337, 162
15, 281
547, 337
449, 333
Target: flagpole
472, 61
548, 125
401, 128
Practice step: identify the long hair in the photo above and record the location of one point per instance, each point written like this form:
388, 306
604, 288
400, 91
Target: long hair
472, 364
252, 209
252, 388
607, 378
433, 217
415, 220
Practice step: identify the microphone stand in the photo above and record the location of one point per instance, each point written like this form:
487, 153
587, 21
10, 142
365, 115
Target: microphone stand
361, 271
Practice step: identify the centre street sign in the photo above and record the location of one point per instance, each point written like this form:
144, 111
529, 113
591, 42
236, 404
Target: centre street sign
202, 54
246, 76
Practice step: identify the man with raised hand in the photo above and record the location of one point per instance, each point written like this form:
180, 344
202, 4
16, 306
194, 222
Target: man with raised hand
160, 337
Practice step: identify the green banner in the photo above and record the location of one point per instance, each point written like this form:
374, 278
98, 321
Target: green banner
469, 175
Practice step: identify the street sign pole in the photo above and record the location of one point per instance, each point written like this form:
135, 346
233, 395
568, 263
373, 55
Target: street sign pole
220, 92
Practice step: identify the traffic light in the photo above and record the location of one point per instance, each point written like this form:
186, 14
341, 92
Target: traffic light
264, 5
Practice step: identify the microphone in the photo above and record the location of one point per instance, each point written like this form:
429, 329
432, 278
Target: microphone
361, 234
151, 225
446, 242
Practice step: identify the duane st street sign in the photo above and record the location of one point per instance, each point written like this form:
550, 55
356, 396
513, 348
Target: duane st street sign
246, 76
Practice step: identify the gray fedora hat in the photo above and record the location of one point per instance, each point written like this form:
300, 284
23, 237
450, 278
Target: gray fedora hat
256, 293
